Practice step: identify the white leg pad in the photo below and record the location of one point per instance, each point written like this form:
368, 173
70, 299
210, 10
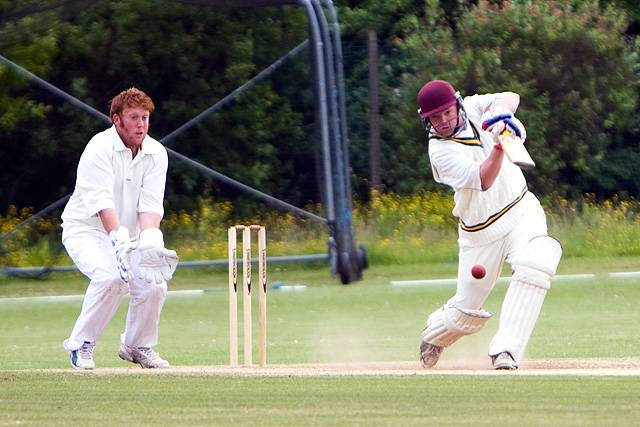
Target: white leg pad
522, 304
520, 311
450, 323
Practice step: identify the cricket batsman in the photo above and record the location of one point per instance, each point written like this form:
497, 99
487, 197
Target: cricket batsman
111, 230
499, 220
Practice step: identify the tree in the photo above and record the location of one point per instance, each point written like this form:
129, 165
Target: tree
187, 58
414, 35
570, 61
25, 138
575, 73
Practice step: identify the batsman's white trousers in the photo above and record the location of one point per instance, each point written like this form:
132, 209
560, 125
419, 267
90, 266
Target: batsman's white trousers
94, 255
471, 293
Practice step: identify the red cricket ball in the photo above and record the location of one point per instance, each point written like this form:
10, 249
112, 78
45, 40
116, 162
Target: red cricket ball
478, 271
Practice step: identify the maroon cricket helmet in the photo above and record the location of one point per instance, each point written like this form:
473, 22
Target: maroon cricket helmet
434, 97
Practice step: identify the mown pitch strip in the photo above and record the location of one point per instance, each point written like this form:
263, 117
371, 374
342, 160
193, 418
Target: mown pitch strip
547, 367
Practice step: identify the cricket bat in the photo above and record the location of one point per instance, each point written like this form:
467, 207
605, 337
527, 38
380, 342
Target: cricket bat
514, 149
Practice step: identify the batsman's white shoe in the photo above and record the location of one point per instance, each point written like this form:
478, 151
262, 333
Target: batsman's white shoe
429, 354
144, 356
504, 361
82, 358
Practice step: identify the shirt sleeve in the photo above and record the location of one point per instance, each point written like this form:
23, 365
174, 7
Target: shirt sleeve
476, 104
451, 166
95, 178
153, 183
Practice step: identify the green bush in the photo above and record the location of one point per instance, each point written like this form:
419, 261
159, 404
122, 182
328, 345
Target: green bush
395, 230
576, 76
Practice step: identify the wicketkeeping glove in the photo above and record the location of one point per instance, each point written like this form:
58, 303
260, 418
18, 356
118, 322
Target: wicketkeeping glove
156, 262
123, 245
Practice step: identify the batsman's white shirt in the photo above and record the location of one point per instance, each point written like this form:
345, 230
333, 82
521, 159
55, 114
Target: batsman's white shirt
109, 178
484, 216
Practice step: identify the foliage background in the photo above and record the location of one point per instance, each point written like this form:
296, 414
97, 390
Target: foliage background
574, 63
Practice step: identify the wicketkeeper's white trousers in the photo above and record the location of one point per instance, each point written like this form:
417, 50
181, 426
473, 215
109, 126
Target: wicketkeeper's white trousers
95, 257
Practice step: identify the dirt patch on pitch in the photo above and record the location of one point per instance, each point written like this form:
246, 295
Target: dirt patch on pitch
581, 367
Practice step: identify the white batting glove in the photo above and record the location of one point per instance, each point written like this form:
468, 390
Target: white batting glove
493, 119
156, 262
497, 119
123, 245
516, 127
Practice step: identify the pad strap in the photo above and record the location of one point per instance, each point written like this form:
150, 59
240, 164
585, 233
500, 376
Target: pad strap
450, 323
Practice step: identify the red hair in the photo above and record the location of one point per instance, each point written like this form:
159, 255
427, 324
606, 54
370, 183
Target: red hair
130, 98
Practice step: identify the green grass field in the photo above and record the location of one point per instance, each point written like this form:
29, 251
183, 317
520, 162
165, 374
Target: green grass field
368, 321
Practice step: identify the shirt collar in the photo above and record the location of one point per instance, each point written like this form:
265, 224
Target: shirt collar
465, 131
119, 145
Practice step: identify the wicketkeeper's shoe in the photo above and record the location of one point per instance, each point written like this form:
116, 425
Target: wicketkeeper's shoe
504, 361
82, 358
144, 356
429, 354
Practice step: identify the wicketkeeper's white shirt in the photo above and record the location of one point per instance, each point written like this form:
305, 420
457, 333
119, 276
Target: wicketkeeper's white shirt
484, 216
109, 178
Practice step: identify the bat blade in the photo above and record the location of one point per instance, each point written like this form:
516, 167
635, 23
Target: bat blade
516, 152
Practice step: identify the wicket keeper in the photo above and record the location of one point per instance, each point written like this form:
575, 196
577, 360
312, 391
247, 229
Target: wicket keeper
111, 230
499, 220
